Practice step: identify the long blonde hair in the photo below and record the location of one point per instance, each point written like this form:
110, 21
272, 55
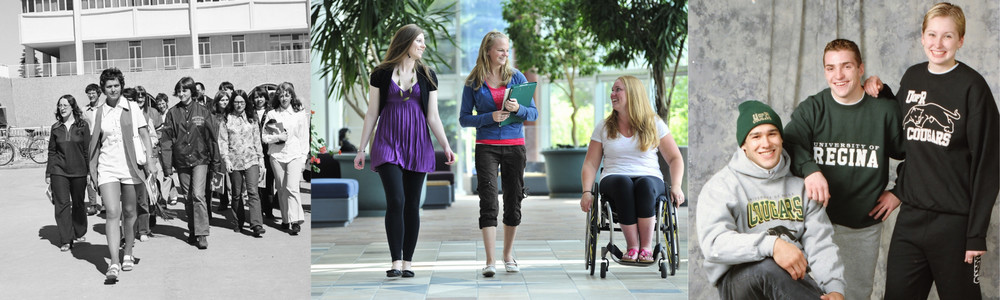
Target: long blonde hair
399, 48
640, 114
478, 75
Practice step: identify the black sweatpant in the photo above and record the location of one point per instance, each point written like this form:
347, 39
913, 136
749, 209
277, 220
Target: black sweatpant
71, 215
402, 214
511, 161
929, 247
632, 197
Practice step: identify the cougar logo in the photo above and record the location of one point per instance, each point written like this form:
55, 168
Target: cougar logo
922, 113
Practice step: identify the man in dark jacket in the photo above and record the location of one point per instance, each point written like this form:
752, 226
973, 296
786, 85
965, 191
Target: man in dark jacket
189, 146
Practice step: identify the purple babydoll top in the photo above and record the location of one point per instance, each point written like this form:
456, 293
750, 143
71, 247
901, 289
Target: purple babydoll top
402, 137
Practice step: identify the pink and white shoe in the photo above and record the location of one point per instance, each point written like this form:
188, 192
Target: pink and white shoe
631, 255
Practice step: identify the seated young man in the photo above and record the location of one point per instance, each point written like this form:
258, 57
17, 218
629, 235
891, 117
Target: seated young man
760, 237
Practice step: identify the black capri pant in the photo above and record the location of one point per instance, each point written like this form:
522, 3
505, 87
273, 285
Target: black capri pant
632, 197
511, 160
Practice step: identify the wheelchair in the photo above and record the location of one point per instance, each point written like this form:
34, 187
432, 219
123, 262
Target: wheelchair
602, 218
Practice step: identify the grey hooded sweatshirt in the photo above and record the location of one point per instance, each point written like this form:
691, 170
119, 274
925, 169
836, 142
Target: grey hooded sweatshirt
743, 201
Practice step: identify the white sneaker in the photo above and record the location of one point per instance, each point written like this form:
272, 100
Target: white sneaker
489, 271
511, 266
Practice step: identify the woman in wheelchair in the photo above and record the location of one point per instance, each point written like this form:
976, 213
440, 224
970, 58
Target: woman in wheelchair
628, 141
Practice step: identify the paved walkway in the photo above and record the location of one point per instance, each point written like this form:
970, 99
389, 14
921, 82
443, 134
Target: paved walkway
350, 262
235, 266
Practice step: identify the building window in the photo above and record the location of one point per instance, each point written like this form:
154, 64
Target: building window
135, 56
239, 50
30, 6
101, 56
169, 54
205, 52
290, 48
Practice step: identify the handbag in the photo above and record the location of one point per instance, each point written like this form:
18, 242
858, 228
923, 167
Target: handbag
140, 148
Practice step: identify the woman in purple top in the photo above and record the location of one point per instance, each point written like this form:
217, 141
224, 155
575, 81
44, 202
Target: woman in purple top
404, 97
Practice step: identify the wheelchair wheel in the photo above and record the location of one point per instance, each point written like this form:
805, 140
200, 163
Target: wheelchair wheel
669, 230
6, 153
604, 269
38, 150
663, 269
590, 247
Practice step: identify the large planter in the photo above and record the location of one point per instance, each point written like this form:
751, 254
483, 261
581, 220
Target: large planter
371, 194
562, 171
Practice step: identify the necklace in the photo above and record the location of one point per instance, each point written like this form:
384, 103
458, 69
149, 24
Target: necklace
413, 80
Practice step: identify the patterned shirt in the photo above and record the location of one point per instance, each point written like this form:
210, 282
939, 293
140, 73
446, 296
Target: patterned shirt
239, 143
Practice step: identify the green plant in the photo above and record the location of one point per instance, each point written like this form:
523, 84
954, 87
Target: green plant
317, 145
653, 29
546, 37
351, 36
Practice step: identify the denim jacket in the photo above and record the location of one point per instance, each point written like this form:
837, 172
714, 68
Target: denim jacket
482, 101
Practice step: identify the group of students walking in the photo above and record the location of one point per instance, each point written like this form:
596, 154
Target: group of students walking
403, 102
127, 146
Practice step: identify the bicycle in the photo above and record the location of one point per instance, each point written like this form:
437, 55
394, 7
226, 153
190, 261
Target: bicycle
37, 147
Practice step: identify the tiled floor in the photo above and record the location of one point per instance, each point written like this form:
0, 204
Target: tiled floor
350, 262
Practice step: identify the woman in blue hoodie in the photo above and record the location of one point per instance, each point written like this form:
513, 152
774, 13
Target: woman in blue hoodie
497, 145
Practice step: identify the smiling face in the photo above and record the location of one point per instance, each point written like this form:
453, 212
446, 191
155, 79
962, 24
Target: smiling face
286, 99
763, 146
260, 101
113, 89
941, 41
417, 48
619, 100
843, 75
498, 53
65, 109
161, 105
92, 96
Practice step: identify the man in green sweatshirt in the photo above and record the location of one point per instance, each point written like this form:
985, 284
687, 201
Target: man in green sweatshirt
761, 239
840, 141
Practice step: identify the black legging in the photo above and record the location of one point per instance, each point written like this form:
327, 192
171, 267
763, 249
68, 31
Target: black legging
622, 189
402, 214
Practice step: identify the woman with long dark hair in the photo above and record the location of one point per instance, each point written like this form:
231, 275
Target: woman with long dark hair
403, 101
218, 180
66, 171
240, 147
288, 143
265, 189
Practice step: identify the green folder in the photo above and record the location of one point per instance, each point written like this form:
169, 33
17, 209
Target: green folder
523, 93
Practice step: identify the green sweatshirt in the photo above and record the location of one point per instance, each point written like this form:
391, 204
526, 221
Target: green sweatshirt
851, 146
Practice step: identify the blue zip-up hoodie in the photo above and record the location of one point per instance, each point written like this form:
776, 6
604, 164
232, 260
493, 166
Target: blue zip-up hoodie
482, 101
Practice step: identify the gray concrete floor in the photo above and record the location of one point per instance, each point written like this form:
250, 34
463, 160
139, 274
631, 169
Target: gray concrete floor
350, 262
235, 266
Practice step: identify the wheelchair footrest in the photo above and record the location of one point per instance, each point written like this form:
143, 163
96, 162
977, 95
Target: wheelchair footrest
616, 255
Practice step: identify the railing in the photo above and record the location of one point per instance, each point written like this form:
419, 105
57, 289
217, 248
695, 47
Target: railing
180, 62
31, 6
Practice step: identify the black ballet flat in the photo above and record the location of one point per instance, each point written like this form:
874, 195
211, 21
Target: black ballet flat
407, 273
393, 273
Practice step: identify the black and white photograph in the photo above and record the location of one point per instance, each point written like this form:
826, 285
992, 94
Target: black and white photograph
155, 149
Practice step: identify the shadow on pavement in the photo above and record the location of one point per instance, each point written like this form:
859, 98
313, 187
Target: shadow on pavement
95, 254
51, 233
